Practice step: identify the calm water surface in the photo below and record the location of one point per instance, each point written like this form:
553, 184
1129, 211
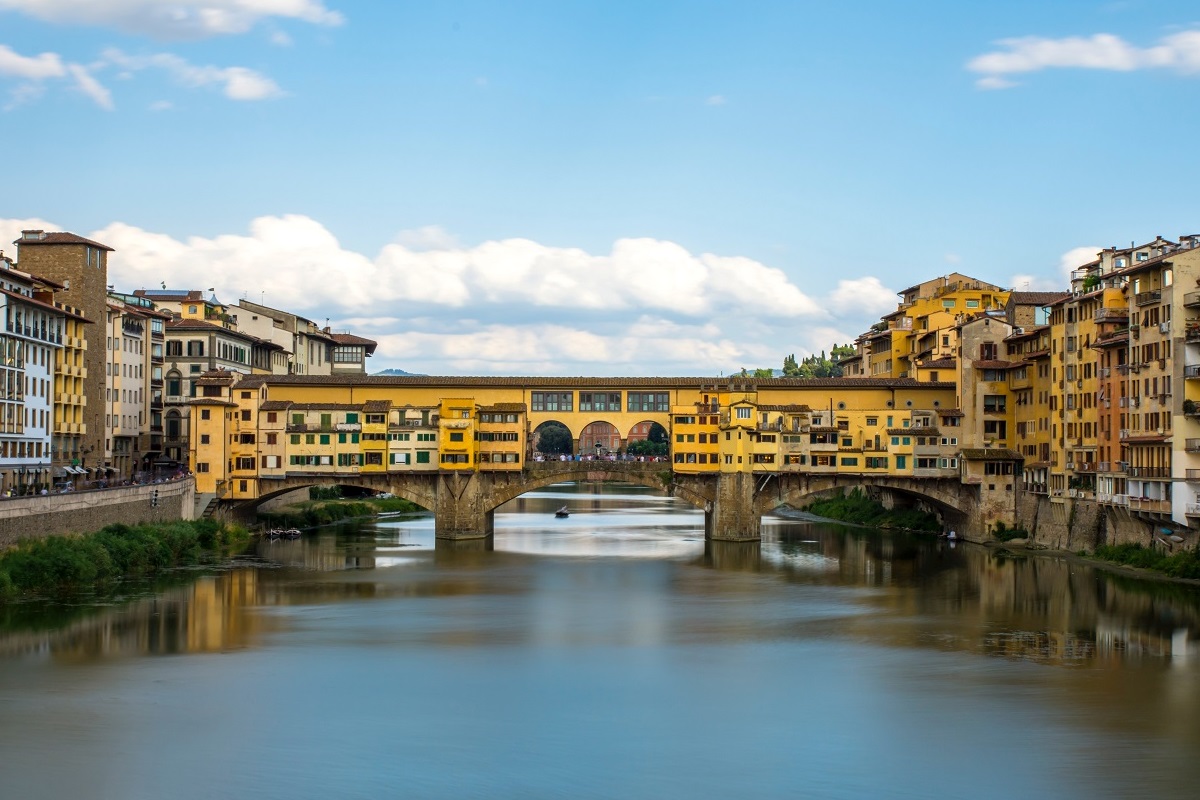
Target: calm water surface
610, 655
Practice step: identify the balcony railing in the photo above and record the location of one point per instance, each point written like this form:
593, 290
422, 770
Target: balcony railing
1149, 472
1191, 445
1152, 505
1191, 299
1112, 499
1147, 298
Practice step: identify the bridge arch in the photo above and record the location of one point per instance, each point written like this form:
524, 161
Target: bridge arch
954, 501
638, 473
599, 436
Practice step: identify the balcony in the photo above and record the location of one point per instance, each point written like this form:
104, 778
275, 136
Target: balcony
1148, 298
1112, 499
1191, 445
823, 447
1150, 505
1150, 472
1192, 474
1191, 299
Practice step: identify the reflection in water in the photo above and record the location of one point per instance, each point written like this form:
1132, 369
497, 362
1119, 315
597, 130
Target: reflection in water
622, 613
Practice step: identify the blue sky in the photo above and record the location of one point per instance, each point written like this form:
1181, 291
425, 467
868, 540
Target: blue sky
608, 188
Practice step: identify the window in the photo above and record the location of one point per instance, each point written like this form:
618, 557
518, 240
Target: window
743, 412
422, 456
994, 403
295, 438
204, 438
599, 401
551, 401
324, 438
648, 401
456, 436
201, 466
205, 414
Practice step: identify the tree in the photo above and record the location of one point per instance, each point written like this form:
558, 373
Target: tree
657, 434
554, 438
818, 366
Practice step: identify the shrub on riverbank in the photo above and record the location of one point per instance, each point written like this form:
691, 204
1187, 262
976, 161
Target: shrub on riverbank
1183, 564
856, 507
311, 515
59, 564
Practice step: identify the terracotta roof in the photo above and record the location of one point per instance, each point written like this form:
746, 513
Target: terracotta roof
541, 382
941, 363
327, 406
377, 406
58, 237
505, 407
981, 364
990, 454
275, 405
38, 303
351, 339
823, 429
951, 412
211, 401
792, 408
1036, 298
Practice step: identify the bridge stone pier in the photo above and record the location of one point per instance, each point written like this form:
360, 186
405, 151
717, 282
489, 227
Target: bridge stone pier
464, 502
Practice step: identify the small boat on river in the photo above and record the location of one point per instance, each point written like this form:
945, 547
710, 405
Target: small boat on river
562, 512
291, 533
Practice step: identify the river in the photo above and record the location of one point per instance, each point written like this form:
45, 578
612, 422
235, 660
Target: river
611, 654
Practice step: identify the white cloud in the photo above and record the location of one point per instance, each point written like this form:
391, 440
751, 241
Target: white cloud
86, 83
435, 305
36, 68
237, 83
34, 71
866, 296
1068, 262
716, 100
1102, 51
182, 19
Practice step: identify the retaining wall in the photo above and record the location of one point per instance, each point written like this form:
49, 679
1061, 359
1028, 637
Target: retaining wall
88, 511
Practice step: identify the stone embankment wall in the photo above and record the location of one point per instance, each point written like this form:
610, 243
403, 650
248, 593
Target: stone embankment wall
1079, 524
87, 511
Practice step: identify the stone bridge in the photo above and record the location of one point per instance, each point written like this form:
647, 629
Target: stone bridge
464, 503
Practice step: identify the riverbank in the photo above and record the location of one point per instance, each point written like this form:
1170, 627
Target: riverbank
75, 563
314, 513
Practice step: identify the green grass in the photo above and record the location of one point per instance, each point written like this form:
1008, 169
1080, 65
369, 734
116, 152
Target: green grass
1184, 564
65, 564
314, 514
856, 507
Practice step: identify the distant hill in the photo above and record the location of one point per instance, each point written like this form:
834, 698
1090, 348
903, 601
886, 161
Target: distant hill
395, 372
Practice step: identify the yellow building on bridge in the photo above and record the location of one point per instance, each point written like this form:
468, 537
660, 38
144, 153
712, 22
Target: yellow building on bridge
250, 432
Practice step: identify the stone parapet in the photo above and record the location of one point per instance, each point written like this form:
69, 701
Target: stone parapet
39, 516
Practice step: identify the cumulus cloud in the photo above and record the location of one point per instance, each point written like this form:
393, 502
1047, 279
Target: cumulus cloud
35, 68
865, 295
1102, 51
179, 19
1068, 262
435, 305
33, 71
237, 83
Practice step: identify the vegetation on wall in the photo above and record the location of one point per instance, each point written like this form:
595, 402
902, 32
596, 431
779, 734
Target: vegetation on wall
858, 508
